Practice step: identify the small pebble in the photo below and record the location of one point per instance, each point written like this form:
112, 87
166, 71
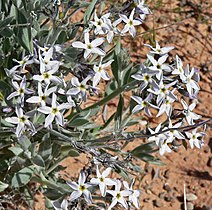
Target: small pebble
191, 197
146, 200
162, 195
204, 184
190, 206
168, 198
205, 207
148, 169
185, 159
167, 174
209, 163
167, 187
157, 203
206, 149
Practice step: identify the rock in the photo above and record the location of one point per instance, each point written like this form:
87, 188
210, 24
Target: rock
173, 194
185, 159
146, 200
207, 207
162, 195
167, 173
157, 203
206, 149
190, 206
148, 169
167, 187
168, 198
191, 197
209, 163
204, 184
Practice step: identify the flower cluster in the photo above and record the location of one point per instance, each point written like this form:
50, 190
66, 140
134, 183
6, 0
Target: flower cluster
118, 194
161, 85
41, 73
45, 94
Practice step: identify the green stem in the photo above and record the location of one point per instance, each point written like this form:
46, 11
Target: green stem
56, 163
113, 95
60, 135
43, 181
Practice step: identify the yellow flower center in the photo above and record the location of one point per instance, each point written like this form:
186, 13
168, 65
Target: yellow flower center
158, 66
146, 77
46, 75
21, 91
43, 98
46, 61
89, 46
99, 23
130, 22
23, 62
101, 179
163, 90
118, 196
144, 103
54, 110
22, 119
100, 69
82, 188
164, 142
167, 102
82, 87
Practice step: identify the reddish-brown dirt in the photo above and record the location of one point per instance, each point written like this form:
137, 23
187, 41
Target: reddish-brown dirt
189, 31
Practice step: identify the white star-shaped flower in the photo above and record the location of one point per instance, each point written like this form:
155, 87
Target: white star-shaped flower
27, 60
102, 180
166, 106
195, 138
162, 91
21, 90
118, 196
55, 111
100, 24
134, 197
159, 65
47, 76
174, 133
188, 112
130, 23
60, 206
79, 87
158, 49
90, 47
46, 62
80, 188
22, 122
191, 84
100, 72
42, 97
179, 68
142, 104
145, 76
140, 5
163, 145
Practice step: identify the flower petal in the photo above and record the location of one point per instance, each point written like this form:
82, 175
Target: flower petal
79, 45
74, 195
49, 119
